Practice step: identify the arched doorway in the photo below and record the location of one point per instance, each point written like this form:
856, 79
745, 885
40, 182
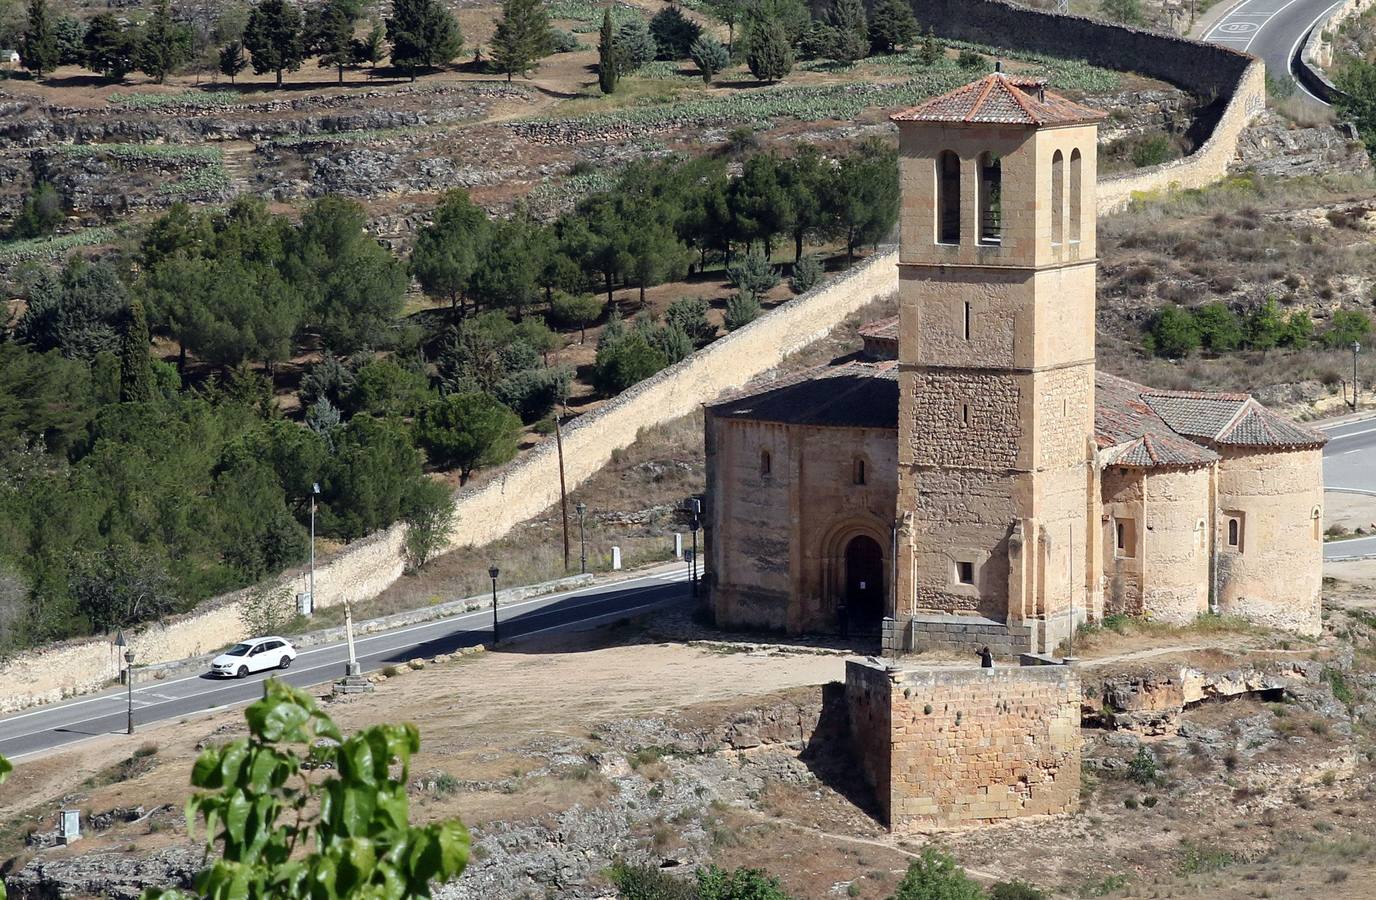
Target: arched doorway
864, 609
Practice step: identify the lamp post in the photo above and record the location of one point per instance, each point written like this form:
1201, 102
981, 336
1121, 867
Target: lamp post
492, 573
582, 509
1356, 348
128, 674
694, 510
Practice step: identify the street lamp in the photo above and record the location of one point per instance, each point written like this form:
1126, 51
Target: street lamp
128, 674
694, 506
582, 509
492, 573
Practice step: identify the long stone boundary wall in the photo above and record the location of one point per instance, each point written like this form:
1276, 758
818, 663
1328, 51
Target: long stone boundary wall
1233, 83
523, 490
366, 568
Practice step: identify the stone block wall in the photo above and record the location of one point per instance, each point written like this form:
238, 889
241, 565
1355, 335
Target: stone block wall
484, 513
947, 748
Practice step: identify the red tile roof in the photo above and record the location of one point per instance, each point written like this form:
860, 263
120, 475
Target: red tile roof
1001, 99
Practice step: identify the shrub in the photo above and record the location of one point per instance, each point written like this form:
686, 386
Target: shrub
564, 41
1173, 333
648, 883
624, 361
1151, 150
752, 272
741, 310
1142, 767
806, 273
969, 60
1219, 327
690, 315
935, 876
742, 884
1015, 890
1346, 326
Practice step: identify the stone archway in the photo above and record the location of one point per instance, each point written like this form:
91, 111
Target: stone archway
863, 586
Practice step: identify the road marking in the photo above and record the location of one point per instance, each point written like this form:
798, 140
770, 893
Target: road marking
1290, 57
1339, 437
550, 600
547, 598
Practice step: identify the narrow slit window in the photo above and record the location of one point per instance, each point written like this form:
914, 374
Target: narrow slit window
966, 325
1057, 198
1074, 196
965, 414
765, 463
965, 572
990, 199
1125, 538
858, 471
947, 198
1236, 534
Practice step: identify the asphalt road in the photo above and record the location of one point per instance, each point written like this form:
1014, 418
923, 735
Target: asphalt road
39, 730
1349, 464
1272, 30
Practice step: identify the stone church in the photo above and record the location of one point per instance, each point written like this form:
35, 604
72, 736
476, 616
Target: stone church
973, 480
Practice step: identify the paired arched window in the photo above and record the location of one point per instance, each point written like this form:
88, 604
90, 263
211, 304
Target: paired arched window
1057, 198
947, 198
1074, 195
990, 199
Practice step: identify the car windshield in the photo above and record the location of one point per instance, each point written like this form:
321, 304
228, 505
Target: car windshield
238, 650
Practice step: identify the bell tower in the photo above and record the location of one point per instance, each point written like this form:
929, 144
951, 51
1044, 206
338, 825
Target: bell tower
996, 367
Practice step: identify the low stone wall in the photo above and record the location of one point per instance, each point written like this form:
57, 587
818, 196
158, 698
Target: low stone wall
1317, 54
1234, 81
946, 748
523, 490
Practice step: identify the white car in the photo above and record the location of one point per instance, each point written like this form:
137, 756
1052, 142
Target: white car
254, 656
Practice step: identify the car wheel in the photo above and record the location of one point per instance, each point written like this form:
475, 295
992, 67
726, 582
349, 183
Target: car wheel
285, 663
242, 673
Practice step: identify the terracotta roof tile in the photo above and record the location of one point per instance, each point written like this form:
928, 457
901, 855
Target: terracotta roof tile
1001, 99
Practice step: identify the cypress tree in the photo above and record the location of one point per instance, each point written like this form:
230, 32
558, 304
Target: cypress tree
608, 65
770, 56
850, 31
892, 24
135, 376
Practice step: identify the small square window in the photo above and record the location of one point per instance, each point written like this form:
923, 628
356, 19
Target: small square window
965, 572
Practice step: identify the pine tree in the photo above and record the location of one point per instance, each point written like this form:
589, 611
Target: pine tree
371, 48
109, 48
232, 60
333, 34
769, 56
165, 45
892, 24
709, 56
274, 37
673, 32
38, 50
423, 34
634, 45
523, 36
608, 58
850, 31
135, 373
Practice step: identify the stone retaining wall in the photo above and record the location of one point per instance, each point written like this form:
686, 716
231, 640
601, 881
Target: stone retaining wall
1317, 54
531, 485
522, 491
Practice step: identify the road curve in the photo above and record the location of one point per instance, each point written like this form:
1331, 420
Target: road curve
1349, 464
1271, 29
49, 727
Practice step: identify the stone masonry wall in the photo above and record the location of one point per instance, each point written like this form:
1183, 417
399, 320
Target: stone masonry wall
483, 514
953, 747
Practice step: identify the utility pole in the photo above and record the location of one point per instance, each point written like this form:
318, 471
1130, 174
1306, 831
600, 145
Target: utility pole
128, 675
582, 540
1356, 348
563, 491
